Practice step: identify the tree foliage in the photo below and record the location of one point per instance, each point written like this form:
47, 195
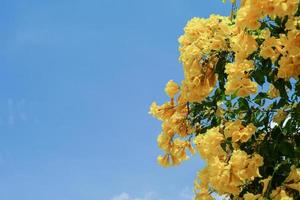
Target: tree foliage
238, 105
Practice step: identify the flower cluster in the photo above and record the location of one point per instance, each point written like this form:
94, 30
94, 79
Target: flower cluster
175, 127
238, 105
243, 44
202, 39
227, 169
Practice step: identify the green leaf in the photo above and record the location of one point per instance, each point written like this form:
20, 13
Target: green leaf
258, 76
288, 84
297, 152
260, 98
223, 145
286, 148
279, 104
297, 88
298, 11
243, 104
280, 85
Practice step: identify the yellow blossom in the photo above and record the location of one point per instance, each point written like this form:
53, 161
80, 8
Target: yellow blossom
289, 67
265, 182
273, 92
250, 196
239, 69
280, 194
295, 186
280, 116
238, 132
164, 141
179, 124
228, 177
162, 112
203, 196
242, 86
164, 160
232, 127
270, 48
232, 1
208, 144
246, 133
243, 44
254, 41
294, 174
292, 23
293, 179
249, 14
172, 89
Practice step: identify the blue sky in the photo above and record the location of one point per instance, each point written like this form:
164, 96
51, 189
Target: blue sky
77, 79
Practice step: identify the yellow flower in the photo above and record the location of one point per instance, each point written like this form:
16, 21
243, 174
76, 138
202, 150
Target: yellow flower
294, 174
291, 42
243, 45
232, 1
280, 116
273, 92
200, 80
257, 159
295, 186
202, 181
203, 196
179, 124
250, 196
162, 112
283, 7
238, 132
164, 160
172, 89
202, 36
164, 141
222, 178
245, 167
240, 85
208, 144
249, 14
238, 160
239, 68
292, 23
229, 170
153, 109
280, 194
293, 179
269, 48
226, 178
289, 67
265, 182
179, 150
175, 151
232, 127
247, 133
167, 128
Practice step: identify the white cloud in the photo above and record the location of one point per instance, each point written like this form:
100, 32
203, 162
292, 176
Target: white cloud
187, 194
126, 196
123, 196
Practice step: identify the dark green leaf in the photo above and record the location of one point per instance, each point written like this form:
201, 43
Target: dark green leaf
258, 76
260, 98
286, 148
243, 104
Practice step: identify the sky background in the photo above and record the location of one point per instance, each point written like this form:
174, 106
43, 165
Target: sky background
76, 81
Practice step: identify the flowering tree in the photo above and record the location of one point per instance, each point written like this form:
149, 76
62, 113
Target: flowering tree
238, 105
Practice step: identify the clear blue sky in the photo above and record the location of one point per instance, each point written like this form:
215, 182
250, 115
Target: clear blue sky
76, 81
